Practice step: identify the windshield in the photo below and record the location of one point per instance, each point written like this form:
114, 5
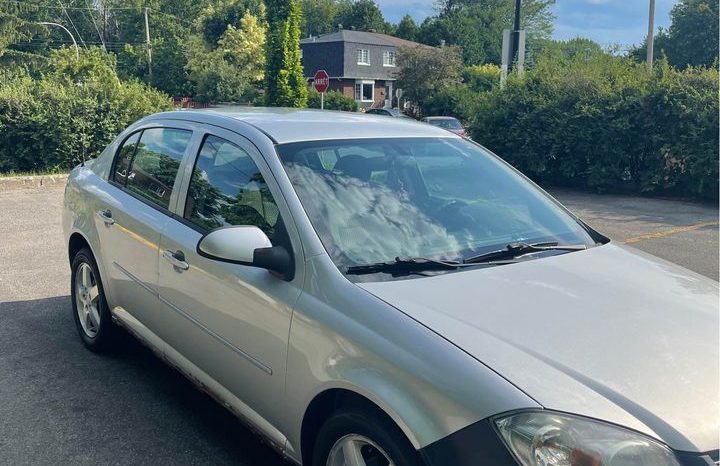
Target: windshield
446, 123
373, 200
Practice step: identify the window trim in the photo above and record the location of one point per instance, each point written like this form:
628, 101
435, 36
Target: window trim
388, 63
362, 82
359, 56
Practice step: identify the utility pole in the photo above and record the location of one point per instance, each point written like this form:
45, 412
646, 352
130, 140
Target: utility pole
515, 35
147, 43
650, 42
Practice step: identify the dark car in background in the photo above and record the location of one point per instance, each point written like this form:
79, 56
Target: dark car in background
449, 123
391, 112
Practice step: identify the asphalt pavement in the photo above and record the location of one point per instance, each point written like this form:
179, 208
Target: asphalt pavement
61, 404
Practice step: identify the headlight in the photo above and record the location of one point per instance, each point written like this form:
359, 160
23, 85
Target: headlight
552, 439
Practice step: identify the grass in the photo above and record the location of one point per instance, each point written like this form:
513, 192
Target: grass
17, 174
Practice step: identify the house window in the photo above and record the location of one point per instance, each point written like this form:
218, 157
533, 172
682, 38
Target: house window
364, 91
363, 56
389, 58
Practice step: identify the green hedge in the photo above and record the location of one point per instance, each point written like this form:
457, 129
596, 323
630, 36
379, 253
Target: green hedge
71, 110
334, 100
604, 122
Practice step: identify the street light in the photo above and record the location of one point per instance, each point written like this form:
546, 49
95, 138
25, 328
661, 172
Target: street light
77, 50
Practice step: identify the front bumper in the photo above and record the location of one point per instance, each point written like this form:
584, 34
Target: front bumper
480, 445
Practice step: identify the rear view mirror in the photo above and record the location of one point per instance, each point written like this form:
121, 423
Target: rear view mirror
246, 245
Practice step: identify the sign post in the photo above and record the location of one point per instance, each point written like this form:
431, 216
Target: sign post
321, 82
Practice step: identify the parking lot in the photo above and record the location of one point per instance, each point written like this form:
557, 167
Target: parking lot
60, 404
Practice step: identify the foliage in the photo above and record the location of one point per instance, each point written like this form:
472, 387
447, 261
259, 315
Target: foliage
602, 121
458, 101
334, 100
363, 15
481, 78
213, 21
285, 85
319, 16
73, 111
407, 29
476, 26
230, 70
692, 39
425, 70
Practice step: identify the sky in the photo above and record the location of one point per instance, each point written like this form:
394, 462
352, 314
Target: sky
608, 22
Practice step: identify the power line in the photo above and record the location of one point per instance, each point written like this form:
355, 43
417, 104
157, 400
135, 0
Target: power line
72, 23
120, 8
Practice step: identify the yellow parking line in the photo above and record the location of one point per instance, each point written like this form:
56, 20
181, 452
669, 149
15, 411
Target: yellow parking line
673, 231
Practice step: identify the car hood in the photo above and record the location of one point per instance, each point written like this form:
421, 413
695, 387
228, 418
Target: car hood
609, 333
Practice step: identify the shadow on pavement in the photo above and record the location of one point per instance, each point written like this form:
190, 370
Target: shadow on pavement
62, 404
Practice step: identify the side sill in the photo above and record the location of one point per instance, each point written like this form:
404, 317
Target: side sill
256, 423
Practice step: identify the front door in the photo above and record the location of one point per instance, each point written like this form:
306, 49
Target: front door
130, 218
231, 321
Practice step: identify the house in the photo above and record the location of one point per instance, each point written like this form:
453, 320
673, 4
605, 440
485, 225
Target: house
361, 65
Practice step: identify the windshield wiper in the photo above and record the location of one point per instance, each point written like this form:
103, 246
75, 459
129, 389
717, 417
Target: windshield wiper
408, 265
518, 249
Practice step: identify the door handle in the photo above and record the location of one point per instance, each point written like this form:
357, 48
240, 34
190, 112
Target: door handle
177, 259
106, 217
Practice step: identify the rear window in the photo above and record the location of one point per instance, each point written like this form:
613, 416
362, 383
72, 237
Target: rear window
148, 163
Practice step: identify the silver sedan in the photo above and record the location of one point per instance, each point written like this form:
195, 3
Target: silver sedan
371, 291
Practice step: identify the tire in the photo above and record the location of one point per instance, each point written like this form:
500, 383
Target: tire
388, 445
90, 309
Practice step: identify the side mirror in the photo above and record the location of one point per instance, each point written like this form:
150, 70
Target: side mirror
246, 245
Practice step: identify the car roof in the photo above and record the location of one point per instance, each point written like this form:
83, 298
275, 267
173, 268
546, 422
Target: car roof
285, 125
440, 118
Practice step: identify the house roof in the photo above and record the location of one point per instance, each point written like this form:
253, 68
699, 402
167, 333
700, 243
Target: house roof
362, 37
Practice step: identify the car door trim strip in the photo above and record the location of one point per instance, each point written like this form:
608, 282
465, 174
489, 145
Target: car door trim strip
196, 322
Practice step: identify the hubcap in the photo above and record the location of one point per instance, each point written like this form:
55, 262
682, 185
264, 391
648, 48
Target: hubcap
356, 450
87, 300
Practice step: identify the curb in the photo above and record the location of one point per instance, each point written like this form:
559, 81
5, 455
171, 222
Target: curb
35, 181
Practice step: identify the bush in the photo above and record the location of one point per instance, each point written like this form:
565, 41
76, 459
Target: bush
334, 100
481, 78
603, 122
457, 101
69, 113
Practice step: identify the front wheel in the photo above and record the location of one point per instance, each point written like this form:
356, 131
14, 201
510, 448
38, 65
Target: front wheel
355, 438
90, 309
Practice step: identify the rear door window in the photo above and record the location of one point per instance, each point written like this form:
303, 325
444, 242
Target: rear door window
124, 158
156, 162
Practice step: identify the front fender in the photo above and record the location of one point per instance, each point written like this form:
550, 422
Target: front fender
344, 337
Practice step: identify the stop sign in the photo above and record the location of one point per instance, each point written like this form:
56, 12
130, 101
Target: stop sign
321, 82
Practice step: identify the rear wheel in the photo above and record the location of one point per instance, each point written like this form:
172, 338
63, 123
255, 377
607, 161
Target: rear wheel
356, 438
90, 309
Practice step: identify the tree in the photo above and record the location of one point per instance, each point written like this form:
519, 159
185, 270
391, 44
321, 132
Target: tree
215, 18
285, 85
693, 35
320, 16
230, 69
363, 15
407, 28
476, 26
425, 70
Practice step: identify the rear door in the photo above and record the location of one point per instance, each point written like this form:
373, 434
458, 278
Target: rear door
232, 321
133, 213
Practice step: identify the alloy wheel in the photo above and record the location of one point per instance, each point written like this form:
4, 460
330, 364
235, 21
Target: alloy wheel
87, 299
356, 450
